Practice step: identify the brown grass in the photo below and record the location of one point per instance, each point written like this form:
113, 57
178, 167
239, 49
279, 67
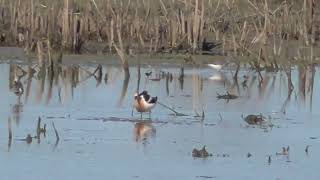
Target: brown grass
126, 27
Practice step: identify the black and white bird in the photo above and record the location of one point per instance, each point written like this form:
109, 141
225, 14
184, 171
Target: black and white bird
148, 74
208, 46
143, 102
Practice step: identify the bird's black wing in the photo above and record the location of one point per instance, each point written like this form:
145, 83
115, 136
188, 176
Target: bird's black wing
153, 100
146, 97
143, 93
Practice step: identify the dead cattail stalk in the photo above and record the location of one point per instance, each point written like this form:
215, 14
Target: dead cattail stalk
312, 4
10, 133
171, 109
305, 24
195, 28
202, 21
235, 46
65, 24
120, 49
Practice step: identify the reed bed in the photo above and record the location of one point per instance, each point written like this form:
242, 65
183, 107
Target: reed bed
263, 29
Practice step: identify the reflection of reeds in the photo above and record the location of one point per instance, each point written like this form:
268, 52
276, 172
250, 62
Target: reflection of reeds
302, 83
124, 89
42, 78
181, 78
30, 73
197, 105
311, 83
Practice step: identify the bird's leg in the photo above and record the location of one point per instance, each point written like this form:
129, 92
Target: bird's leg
149, 114
132, 112
141, 115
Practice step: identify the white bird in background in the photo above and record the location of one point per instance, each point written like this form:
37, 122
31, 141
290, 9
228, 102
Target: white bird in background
219, 64
215, 66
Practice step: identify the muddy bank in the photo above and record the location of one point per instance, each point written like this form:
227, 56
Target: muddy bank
16, 54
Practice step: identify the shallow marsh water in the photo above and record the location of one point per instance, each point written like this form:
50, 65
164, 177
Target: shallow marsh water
99, 139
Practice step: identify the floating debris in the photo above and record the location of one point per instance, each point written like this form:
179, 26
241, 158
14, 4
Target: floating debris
202, 153
227, 96
28, 139
249, 155
254, 119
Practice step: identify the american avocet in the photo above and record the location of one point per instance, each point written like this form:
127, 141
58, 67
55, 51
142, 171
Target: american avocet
143, 102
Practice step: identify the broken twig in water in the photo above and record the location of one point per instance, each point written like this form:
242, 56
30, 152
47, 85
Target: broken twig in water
227, 96
175, 112
57, 136
202, 116
55, 131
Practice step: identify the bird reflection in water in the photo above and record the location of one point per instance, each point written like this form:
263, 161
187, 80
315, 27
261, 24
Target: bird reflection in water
143, 131
18, 90
16, 111
17, 87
